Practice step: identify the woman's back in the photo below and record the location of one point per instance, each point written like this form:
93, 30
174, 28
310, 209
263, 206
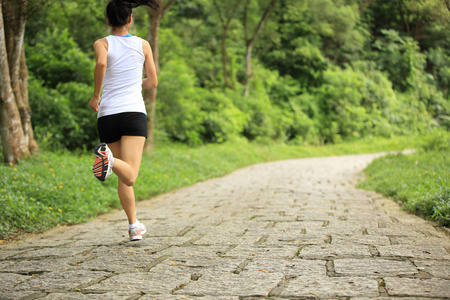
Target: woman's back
122, 86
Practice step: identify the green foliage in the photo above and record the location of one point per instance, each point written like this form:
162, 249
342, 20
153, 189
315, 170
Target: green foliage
60, 116
323, 71
42, 192
193, 115
438, 141
56, 58
354, 102
223, 120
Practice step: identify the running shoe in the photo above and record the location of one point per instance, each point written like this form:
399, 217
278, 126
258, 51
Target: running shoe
137, 233
103, 164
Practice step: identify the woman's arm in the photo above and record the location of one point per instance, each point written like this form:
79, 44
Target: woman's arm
151, 81
101, 51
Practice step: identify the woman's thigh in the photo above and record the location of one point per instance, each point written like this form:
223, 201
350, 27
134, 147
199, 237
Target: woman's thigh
129, 149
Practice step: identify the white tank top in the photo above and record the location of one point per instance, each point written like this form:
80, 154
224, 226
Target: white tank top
122, 85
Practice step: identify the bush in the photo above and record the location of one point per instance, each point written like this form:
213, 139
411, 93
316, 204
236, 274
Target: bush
58, 59
438, 140
401, 58
193, 115
354, 102
61, 117
178, 110
222, 120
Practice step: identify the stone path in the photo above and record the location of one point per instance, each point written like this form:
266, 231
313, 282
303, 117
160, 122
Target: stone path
293, 229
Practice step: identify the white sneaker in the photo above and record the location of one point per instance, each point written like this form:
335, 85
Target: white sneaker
137, 233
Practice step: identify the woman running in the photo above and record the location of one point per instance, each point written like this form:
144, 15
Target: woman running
122, 118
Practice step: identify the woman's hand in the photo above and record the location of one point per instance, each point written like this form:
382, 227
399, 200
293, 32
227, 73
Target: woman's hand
93, 103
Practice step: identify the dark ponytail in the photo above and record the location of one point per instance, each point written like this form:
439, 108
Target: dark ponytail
118, 11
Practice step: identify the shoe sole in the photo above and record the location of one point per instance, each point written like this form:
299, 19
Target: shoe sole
136, 238
97, 153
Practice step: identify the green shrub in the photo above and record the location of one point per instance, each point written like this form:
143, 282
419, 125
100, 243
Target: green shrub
222, 120
178, 110
56, 58
354, 102
194, 115
439, 140
61, 117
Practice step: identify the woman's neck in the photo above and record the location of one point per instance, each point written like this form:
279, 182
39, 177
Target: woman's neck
120, 31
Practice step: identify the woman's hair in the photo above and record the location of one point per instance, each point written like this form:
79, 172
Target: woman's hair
118, 11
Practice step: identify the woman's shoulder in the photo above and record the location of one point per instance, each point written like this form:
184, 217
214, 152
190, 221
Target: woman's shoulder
101, 42
146, 46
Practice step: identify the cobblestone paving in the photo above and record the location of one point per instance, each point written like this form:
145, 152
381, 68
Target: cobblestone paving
293, 229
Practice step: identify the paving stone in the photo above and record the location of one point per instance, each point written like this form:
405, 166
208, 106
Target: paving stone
14, 295
64, 280
289, 267
229, 284
5, 264
420, 241
199, 264
226, 239
8, 281
330, 251
5, 254
51, 252
80, 296
92, 238
406, 287
296, 240
36, 243
436, 268
196, 251
187, 297
163, 282
400, 230
372, 240
390, 298
418, 252
373, 267
254, 251
326, 287
40, 266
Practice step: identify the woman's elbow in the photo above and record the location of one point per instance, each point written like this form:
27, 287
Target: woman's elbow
152, 84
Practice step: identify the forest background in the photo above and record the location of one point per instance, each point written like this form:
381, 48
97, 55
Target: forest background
322, 70
295, 72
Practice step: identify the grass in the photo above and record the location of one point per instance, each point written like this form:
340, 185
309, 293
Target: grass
420, 181
52, 189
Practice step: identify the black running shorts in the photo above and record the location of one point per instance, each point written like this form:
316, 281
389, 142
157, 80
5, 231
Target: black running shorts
111, 128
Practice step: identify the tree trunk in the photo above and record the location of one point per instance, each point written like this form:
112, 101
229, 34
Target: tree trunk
13, 139
249, 42
155, 18
248, 69
26, 113
226, 77
225, 25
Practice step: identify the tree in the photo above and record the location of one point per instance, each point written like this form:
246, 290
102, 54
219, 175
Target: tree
225, 20
250, 40
16, 130
417, 15
155, 18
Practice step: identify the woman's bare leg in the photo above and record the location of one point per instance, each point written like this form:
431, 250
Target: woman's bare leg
127, 159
